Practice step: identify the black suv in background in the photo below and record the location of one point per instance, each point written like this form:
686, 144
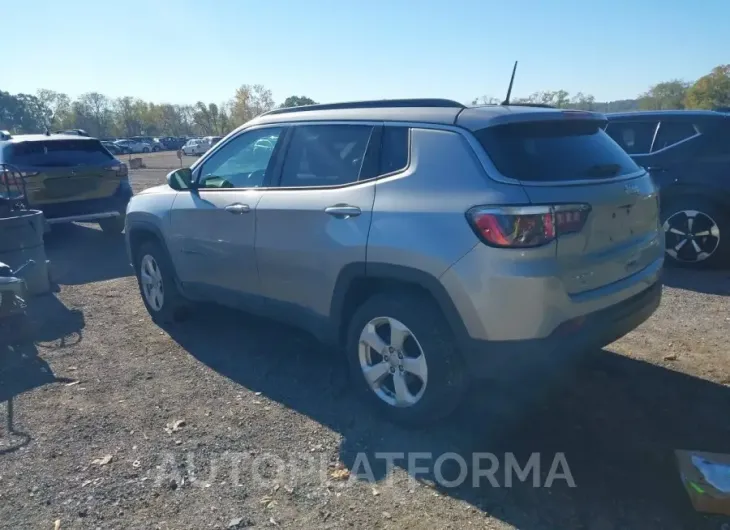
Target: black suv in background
688, 154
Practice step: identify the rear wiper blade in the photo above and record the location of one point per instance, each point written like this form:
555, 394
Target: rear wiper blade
603, 170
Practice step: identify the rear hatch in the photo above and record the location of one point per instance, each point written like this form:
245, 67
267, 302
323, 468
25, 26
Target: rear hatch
62, 170
609, 204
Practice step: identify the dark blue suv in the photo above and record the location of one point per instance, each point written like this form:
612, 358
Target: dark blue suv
688, 154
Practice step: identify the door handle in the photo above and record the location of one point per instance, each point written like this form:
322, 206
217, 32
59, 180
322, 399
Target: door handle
655, 169
238, 208
343, 211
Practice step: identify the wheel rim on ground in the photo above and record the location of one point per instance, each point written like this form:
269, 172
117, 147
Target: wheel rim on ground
151, 280
691, 236
393, 362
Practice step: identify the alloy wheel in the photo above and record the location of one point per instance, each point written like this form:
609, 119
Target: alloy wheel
392, 362
151, 280
691, 236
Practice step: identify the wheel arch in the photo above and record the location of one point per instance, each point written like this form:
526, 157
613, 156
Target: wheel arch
139, 232
671, 195
359, 281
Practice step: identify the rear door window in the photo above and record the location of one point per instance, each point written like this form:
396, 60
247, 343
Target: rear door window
671, 133
635, 137
58, 153
555, 151
325, 155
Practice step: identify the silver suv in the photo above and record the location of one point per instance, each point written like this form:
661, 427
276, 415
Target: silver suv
431, 242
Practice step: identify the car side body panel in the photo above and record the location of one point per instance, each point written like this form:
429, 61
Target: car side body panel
419, 216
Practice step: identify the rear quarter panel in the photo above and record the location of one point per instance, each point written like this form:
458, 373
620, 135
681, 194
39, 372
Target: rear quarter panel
419, 216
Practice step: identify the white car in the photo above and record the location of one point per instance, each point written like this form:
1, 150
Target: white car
134, 146
195, 147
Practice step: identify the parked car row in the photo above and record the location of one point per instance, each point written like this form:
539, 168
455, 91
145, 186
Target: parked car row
198, 146
148, 144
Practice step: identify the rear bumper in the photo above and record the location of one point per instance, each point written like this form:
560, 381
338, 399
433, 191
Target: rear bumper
513, 296
594, 330
89, 210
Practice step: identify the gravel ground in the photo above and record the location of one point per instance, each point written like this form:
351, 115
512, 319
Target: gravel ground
231, 421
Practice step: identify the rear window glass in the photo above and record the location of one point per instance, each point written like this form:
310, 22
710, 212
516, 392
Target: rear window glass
555, 151
59, 153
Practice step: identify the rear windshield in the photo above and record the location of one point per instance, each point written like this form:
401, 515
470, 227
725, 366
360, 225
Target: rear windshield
555, 151
58, 153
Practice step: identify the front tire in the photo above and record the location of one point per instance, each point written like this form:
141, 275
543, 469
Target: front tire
403, 359
697, 233
146, 150
157, 285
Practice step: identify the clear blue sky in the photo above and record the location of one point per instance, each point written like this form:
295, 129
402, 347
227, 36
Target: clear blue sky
182, 51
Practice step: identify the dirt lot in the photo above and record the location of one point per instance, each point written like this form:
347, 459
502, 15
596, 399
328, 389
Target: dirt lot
120, 424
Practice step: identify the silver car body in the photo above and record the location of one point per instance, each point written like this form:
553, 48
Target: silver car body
289, 257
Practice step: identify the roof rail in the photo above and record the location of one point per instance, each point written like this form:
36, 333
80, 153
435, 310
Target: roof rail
538, 105
512, 104
375, 104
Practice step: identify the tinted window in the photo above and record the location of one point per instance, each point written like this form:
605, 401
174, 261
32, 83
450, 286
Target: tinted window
555, 150
241, 162
325, 155
58, 153
394, 150
716, 141
634, 137
670, 133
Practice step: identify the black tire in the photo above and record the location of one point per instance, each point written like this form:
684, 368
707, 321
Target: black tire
145, 149
446, 381
174, 307
707, 211
112, 225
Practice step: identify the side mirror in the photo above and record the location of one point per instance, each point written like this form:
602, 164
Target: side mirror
180, 179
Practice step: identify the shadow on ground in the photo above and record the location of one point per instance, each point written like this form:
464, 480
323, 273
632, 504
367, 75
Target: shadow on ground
708, 282
82, 254
51, 326
21, 370
616, 419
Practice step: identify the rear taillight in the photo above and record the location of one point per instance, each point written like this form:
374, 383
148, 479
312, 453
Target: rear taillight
120, 169
10, 177
526, 226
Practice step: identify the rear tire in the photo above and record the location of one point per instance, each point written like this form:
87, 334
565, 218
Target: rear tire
697, 233
428, 349
112, 225
157, 284
146, 150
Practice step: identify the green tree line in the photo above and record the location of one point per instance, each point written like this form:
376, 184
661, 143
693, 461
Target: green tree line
102, 116
708, 92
